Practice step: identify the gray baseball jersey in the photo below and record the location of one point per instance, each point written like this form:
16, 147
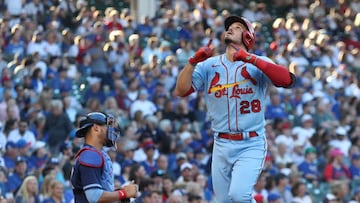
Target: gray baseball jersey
235, 97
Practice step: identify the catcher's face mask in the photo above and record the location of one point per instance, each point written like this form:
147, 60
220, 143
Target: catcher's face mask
112, 131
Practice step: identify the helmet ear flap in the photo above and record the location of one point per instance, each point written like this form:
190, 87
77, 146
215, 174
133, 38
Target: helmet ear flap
248, 39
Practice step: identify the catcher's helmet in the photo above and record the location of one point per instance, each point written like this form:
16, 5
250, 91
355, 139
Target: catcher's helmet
101, 119
248, 37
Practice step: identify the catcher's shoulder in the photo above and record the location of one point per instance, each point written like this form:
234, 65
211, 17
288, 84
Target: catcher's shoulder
91, 158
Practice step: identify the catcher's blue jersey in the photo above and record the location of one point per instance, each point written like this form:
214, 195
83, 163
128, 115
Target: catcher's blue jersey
235, 94
95, 172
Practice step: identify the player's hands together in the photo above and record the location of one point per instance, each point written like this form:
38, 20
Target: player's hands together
243, 55
201, 54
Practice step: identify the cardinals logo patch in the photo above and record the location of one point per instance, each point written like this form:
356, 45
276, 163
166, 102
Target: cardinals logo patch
247, 75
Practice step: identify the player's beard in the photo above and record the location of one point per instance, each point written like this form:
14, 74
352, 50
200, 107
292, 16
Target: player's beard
231, 41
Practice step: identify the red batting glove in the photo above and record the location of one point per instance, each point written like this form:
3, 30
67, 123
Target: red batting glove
201, 55
242, 55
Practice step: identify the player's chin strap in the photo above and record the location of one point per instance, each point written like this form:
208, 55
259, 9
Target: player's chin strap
112, 132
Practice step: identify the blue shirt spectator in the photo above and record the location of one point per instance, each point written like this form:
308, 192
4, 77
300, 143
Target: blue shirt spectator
15, 179
355, 166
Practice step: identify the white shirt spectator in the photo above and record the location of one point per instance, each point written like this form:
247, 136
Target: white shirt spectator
28, 136
73, 51
14, 7
288, 141
341, 142
139, 155
304, 132
116, 168
122, 58
3, 140
335, 81
352, 90
302, 11
147, 107
149, 52
250, 13
355, 6
299, 60
32, 8
37, 47
52, 49
42, 65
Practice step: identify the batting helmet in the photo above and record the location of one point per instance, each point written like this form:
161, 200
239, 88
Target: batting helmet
248, 37
101, 119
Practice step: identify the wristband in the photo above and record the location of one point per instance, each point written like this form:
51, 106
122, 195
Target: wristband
255, 60
121, 194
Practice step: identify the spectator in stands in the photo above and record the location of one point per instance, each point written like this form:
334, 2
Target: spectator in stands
336, 169
3, 182
16, 44
356, 195
94, 91
28, 191
183, 53
37, 45
355, 167
151, 49
275, 110
145, 28
52, 69
281, 188
57, 126
22, 132
175, 198
300, 194
250, 11
135, 49
143, 104
309, 167
128, 156
38, 158
340, 188
259, 187
68, 47
56, 192
45, 184
163, 166
99, 65
51, 44
274, 198
282, 157
305, 131
10, 155
37, 81
137, 173
113, 21
186, 173
16, 178
285, 136
203, 182
341, 141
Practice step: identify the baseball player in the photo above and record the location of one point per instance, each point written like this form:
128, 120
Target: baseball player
92, 177
235, 84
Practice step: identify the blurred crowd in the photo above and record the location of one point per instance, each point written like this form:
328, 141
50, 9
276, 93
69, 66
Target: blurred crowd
60, 59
